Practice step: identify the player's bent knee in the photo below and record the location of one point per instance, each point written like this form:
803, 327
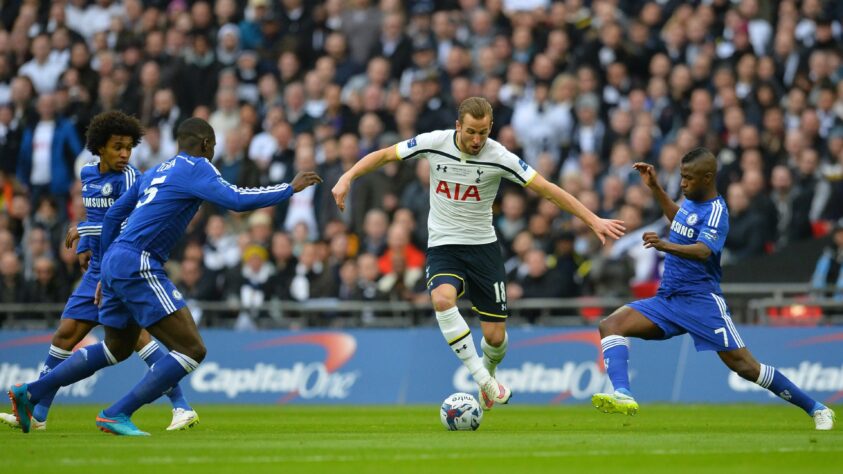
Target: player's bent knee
494, 339
196, 352
608, 327
120, 351
63, 340
443, 298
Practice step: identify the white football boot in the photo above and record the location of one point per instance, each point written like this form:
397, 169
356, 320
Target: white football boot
493, 392
10, 420
183, 419
824, 419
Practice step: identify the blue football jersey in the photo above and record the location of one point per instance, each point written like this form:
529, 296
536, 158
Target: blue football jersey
706, 222
99, 192
162, 202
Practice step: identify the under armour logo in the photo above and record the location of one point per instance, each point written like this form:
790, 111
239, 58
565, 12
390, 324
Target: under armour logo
444, 169
464, 347
479, 173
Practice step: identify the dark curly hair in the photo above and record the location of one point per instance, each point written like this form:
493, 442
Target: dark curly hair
106, 124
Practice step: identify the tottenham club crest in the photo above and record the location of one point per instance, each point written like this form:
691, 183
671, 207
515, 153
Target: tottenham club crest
106, 189
692, 219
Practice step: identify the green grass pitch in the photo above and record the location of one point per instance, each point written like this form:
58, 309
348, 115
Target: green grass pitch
395, 439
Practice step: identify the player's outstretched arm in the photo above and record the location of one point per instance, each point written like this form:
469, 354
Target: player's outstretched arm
210, 186
604, 228
648, 176
368, 163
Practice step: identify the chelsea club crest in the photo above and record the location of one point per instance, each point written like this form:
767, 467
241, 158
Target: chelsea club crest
692, 219
106, 189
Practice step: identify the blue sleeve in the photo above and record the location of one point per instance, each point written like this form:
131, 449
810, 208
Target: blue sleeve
86, 231
714, 230
210, 186
115, 216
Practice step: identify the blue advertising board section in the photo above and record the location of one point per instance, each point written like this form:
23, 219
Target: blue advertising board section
543, 366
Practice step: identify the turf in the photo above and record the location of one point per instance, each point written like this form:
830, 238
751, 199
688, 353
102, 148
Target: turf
256, 439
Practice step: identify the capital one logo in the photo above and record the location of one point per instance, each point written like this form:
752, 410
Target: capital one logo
457, 191
823, 377
577, 378
308, 379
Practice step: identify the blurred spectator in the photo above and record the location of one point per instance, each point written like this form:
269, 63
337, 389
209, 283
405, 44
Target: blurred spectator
45, 286
233, 164
220, 251
398, 243
793, 222
43, 71
828, 271
285, 266
401, 283
746, 229
48, 150
12, 287
312, 279
247, 285
512, 219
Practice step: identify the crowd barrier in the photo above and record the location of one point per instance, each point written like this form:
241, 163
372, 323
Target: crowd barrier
415, 366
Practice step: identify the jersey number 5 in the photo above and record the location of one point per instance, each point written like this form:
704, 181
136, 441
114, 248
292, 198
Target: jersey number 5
150, 192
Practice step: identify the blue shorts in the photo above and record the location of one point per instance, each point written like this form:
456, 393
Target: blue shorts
80, 306
704, 316
135, 287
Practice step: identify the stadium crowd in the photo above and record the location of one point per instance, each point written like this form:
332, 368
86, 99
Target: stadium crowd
581, 90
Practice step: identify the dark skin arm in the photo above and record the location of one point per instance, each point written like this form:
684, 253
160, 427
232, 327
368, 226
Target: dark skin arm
648, 176
72, 237
695, 251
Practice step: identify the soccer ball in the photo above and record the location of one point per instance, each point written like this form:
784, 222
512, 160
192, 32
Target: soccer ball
460, 412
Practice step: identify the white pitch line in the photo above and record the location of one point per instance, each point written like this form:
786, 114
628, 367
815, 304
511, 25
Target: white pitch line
167, 460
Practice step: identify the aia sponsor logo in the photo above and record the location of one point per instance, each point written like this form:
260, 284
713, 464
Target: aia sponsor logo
458, 192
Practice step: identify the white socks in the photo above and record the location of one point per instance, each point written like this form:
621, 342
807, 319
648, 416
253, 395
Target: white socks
492, 356
458, 336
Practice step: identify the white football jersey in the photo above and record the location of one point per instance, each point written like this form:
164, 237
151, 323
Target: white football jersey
462, 186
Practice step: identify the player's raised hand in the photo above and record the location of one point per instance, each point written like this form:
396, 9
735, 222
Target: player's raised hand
71, 236
648, 174
608, 228
305, 179
340, 191
652, 241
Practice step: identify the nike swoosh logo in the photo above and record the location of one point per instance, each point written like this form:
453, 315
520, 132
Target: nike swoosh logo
106, 420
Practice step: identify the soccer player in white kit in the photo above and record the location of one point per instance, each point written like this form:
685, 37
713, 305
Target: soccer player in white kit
463, 255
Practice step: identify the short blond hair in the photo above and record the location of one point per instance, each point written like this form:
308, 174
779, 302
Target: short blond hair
477, 107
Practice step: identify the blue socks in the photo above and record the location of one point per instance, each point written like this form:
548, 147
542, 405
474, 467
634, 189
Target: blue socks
152, 353
163, 375
81, 365
55, 357
616, 360
781, 386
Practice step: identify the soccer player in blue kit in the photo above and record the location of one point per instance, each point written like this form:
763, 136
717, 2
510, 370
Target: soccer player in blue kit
689, 299
111, 136
136, 291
